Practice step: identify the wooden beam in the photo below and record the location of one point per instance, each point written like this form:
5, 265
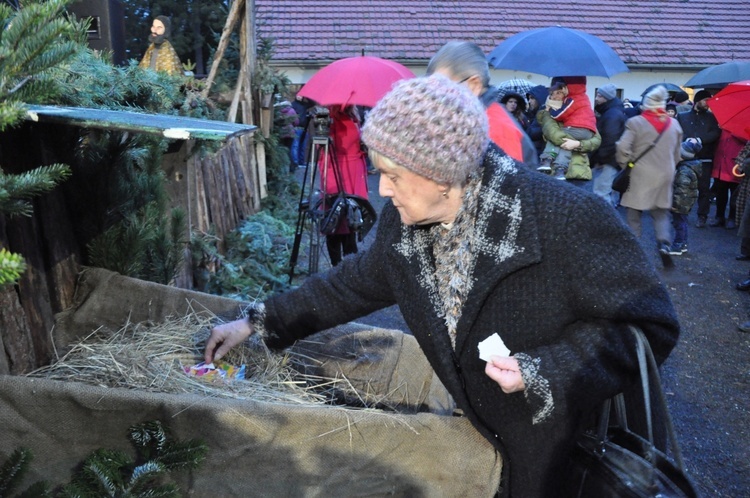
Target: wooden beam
232, 19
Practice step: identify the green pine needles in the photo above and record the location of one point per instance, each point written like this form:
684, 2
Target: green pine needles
114, 474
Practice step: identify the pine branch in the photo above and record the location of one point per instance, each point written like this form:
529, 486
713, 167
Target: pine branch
16, 189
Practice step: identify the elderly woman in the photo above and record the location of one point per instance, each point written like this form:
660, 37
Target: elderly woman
473, 244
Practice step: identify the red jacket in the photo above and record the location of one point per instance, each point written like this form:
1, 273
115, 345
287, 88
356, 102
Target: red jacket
576, 111
504, 132
727, 149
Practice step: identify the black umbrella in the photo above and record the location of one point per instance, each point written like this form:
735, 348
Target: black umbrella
670, 87
720, 75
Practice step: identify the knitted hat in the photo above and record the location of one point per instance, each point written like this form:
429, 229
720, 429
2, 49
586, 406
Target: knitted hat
681, 97
167, 25
608, 91
655, 99
702, 94
690, 148
430, 126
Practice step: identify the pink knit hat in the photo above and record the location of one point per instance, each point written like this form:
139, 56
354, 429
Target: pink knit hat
431, 126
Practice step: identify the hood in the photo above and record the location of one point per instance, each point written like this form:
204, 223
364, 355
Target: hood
576, 84
540, 93
519, 98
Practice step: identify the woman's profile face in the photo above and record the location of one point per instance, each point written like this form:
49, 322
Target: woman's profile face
418, 200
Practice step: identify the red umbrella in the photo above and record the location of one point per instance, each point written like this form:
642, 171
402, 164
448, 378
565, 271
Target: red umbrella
731, 106
361, 80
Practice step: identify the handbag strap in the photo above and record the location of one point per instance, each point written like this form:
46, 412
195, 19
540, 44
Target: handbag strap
650, 379
648, 149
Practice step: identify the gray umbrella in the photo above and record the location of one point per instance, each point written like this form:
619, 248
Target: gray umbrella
720, 75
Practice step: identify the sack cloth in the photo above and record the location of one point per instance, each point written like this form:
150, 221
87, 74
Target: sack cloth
621, 181
255, 448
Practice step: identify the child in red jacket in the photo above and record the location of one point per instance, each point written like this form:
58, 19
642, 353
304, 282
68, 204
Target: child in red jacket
569, 105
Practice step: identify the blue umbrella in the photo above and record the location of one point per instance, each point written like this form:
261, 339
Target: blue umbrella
557, 51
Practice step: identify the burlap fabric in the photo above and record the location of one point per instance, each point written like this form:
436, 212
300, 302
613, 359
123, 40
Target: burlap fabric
257, 448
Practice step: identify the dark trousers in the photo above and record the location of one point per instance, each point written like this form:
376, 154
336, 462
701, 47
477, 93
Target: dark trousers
745, 246
723, 191
680, 225
337, 243
704, 187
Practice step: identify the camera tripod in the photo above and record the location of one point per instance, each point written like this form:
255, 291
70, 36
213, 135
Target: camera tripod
311, 206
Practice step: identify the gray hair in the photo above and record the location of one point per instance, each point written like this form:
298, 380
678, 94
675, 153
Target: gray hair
462, 60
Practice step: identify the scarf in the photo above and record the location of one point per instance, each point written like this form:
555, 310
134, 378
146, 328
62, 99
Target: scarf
658, 119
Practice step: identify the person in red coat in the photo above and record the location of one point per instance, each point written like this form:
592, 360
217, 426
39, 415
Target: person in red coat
344, 170
725, 181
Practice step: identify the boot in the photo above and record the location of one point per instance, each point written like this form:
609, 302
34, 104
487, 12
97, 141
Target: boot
559, 172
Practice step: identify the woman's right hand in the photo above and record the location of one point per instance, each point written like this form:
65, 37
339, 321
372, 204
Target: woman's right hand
226, 336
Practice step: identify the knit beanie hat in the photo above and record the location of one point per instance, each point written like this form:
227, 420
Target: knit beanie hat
681, 97
655, 99
690, 148
608, 91
431, 126
702, 94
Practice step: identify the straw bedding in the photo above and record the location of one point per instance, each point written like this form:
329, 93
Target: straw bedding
151, 356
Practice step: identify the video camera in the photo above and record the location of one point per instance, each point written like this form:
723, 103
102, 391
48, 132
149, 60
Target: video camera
321, 117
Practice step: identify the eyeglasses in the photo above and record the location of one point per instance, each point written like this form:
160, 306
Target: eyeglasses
465, 79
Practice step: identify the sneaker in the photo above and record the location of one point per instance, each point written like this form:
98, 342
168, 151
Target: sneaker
678, 249
701, 223
744, 327
716, 222
559, 173
545, 166
731, 225
666, 259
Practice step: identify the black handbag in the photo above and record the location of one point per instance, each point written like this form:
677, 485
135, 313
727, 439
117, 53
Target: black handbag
614, 461
621, 181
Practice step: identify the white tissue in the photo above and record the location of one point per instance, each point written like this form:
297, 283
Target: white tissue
492, 346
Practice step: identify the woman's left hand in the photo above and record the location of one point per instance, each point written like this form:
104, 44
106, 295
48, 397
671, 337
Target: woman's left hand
569, 144
504, 370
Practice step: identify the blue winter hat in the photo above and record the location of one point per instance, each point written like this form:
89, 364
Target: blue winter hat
690, 148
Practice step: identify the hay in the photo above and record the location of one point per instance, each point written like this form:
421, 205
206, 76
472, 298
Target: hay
152, 356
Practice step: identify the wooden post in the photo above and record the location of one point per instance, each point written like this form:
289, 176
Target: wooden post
232, 19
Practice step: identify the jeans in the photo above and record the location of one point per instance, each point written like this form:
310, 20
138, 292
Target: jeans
602, 184
680, 225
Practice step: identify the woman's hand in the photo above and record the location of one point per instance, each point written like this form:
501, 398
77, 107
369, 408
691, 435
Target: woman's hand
569, 144
504, 370
224, 337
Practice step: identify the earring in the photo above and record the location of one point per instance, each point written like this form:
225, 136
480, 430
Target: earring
445, 194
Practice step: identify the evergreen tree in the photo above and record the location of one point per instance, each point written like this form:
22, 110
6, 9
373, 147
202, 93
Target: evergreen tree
34, 40
14, 470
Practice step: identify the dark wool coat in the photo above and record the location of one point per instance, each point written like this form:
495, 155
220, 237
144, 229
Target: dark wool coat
611, 123
562, 315
701, 125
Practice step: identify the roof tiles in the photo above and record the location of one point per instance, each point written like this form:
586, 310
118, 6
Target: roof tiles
658, 32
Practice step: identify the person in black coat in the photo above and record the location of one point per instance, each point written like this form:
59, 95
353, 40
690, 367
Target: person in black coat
536, 97
700, 123
610, 122
469, 244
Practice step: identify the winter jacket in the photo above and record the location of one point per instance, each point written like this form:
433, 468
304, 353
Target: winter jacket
579, 167
574, 352
724, 157
534, 128
701, 125
653, 174
167, 59
685, 186
506, 132
611, 123
576, 111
